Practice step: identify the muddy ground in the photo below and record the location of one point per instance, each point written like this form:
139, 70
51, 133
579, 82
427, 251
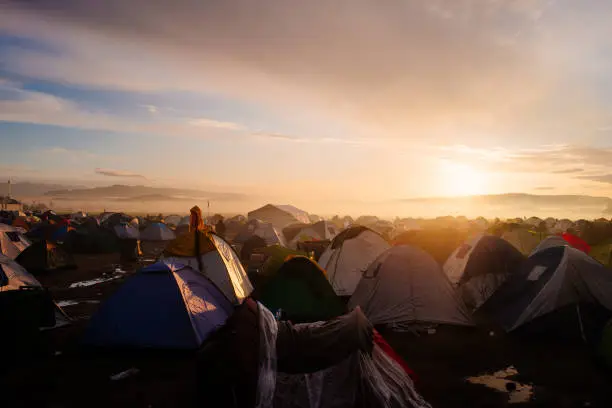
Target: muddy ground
56, 373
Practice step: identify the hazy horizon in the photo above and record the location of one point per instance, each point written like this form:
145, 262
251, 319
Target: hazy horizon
335, 107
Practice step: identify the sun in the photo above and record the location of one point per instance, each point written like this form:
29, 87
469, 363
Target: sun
462, 180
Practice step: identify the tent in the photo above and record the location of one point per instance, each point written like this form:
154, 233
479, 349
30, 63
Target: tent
276, 256
255, 242
406, 286
320, 231
90, 239
215, 258
164, 305
44, 256
261, 229
127, 231
301, 291
14, 276
12, 241
576, 242
522, 239
559, 290
80, 215
109, 221
173, 220
480, 266
550, 242
349, 255
157, 232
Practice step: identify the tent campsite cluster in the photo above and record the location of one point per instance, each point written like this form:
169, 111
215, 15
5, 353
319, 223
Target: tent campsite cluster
302, 318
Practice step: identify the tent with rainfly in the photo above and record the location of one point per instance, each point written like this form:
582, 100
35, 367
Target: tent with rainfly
210, 254
349, 255
12, 241
301, 291
480, 266
405, 286
563, 239
44, 256
163, 306
559, 290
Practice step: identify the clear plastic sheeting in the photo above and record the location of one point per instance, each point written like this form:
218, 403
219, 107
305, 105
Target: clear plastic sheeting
363, 379
266, 385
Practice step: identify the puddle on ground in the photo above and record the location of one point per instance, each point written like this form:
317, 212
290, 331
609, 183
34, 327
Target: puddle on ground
91, 282
517, 392
68, 303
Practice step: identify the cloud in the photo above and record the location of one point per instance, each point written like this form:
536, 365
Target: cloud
544, 188
312, 140
119, 173
152, 109
601, 178
441, 68
201, 122
568, 171
551, 159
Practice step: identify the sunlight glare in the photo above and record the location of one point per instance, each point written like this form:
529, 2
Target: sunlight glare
462, 180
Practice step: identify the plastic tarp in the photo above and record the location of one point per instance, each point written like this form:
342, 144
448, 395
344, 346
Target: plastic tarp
363, 379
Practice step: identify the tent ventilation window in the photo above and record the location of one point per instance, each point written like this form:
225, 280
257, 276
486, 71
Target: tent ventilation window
465, 249
13, 236
536, 273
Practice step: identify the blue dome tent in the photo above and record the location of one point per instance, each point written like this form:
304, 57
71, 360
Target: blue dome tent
164, 306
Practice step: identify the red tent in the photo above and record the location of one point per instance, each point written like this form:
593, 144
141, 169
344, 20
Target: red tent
576, 242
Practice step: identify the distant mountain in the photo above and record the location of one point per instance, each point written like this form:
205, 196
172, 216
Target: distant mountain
27, 189
518, 198
512, 205
139, 193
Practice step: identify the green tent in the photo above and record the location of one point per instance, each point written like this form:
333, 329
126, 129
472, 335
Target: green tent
302, 292
276, 257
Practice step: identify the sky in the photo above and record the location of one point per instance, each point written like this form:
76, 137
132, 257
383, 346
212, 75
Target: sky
323, 104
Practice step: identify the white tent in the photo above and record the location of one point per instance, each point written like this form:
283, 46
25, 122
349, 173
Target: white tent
157, 232
552, 279
320, 231
406, 286
550, 242
222, 266
13, 276
349, 255
12, 241
264, 230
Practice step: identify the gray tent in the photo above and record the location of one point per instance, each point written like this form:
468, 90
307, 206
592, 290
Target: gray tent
349, 255
551, 283
406, 286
